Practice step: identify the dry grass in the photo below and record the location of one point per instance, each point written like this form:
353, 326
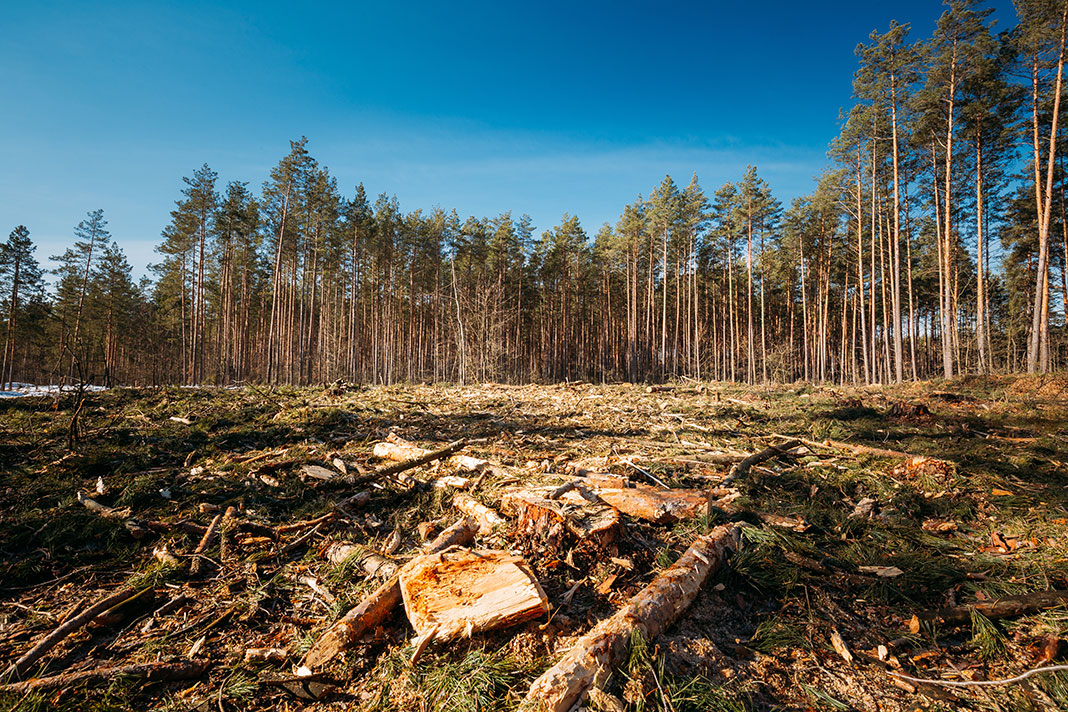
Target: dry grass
757, 638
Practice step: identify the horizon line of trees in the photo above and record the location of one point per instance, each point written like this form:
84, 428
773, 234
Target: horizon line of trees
885, 272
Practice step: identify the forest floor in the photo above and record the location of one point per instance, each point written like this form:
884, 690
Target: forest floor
870, 541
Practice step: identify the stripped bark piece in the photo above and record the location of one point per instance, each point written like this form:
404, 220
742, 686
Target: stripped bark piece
469, 463
376, 607
548, 519
266, 655
593, 658
176, 670
317, 472
487, 518
1004, 607
458, 593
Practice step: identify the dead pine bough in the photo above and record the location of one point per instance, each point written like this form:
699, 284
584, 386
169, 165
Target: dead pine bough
590, 662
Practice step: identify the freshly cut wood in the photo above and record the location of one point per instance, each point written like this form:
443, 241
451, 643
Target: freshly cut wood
656, 505
397, 448
1005, 607
373, 610
452, 482
177, 670
398, 452
416, 461
459, 593
487, 518
593, 658
548, 519
20, 666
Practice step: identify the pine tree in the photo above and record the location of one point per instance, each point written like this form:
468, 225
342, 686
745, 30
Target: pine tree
20, 282
75, 268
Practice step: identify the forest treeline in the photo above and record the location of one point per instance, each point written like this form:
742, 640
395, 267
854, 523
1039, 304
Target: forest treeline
936, 244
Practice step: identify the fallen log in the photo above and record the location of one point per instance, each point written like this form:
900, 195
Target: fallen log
850, 447
371, 563
1004, 607
400, 451
176, 670
660, 506
373, 610
103, 510
458, 593
593, 658
414, 462
20, 666
740, 469
487, 519
397, 448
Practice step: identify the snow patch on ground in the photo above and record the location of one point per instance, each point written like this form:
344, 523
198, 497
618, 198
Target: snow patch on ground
18, 390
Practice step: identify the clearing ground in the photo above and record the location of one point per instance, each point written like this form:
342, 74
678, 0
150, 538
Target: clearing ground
839, 546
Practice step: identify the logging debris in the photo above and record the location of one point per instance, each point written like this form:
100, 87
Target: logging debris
583, 492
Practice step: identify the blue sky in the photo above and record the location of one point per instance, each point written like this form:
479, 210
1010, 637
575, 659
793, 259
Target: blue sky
539, 108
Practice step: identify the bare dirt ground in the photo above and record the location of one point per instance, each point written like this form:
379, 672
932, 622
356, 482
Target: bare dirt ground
862, 541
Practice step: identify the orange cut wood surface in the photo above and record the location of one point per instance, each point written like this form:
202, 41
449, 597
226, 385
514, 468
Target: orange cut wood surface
460, 592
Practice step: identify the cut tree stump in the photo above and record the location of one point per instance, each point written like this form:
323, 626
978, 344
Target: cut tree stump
1004, 607
593, 658
548, 519
377, 606
457, 593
